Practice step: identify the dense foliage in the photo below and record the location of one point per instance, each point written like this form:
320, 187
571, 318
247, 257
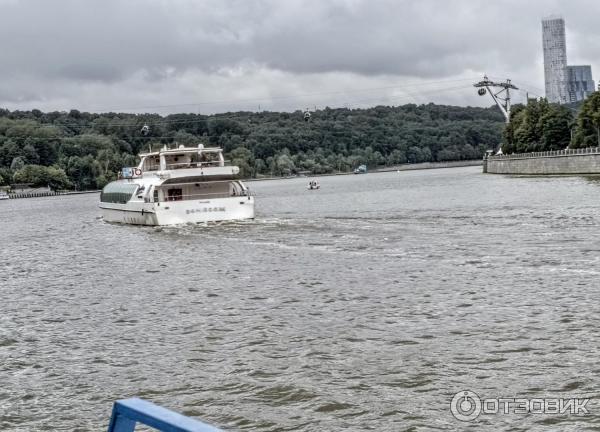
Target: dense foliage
538, 126
587, 132
85, 150
541, 126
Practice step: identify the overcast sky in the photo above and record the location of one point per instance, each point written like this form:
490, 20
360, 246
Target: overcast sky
209, 56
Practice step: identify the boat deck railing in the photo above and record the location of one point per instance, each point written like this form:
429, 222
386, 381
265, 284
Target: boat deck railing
149, 166
183, 165
212, 195
551, 153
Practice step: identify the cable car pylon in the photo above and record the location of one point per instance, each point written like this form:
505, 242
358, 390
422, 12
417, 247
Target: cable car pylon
501, 97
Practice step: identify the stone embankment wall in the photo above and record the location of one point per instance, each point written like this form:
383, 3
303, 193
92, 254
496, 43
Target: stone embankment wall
429, 165
561, 162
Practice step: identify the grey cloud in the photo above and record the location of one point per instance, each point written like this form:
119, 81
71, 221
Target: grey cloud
89, 72
113, 42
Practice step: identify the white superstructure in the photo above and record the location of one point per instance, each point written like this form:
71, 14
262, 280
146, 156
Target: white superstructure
175, 186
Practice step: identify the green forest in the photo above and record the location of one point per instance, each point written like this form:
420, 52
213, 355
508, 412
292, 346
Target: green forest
542, 126
80, 150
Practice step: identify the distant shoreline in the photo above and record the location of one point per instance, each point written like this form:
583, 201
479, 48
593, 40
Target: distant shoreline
23, 195
403, 167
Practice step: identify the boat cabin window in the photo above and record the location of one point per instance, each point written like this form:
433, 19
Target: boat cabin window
192, 160
174, 195
178, 161
199, 191
151, 163
209, 159
237, 189
118, 193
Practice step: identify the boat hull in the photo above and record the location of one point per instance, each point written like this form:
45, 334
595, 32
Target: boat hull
179, 212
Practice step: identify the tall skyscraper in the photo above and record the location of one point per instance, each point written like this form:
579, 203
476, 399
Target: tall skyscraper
579, 82
555, 59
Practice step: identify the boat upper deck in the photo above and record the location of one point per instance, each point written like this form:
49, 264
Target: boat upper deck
181, 158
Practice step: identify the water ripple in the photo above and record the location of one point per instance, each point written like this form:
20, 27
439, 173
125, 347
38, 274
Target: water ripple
366, 306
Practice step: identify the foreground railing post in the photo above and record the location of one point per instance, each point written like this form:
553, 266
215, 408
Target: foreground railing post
120, 423
127, 413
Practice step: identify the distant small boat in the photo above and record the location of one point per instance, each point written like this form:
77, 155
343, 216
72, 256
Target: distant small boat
362, 169
4, 196
313, 185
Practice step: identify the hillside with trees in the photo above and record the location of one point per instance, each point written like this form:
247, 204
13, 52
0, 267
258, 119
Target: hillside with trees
542, 126
587, 126
83, 150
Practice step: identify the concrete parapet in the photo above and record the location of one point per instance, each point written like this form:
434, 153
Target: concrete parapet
560, 162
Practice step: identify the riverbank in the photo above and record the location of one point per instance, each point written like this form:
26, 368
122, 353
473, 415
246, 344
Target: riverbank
402, 167
431, 165
47, 194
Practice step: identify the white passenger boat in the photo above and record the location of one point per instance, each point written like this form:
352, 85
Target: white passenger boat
4, 195
175, 186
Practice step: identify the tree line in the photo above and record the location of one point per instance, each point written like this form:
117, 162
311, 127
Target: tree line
81, 150
542, 126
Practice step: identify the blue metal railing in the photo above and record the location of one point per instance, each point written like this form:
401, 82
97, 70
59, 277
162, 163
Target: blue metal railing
127, 413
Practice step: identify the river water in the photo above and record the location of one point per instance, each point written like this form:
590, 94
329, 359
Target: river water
365, 305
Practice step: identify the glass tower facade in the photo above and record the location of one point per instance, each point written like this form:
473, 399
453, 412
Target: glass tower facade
564, 84
555, 59
579, 82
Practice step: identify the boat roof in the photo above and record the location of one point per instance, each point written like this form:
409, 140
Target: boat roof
183, 149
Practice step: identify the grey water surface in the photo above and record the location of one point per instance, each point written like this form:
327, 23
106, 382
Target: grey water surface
365, 305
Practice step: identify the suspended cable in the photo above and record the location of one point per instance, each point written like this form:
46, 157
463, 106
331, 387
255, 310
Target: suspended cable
269, 98
146, 119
